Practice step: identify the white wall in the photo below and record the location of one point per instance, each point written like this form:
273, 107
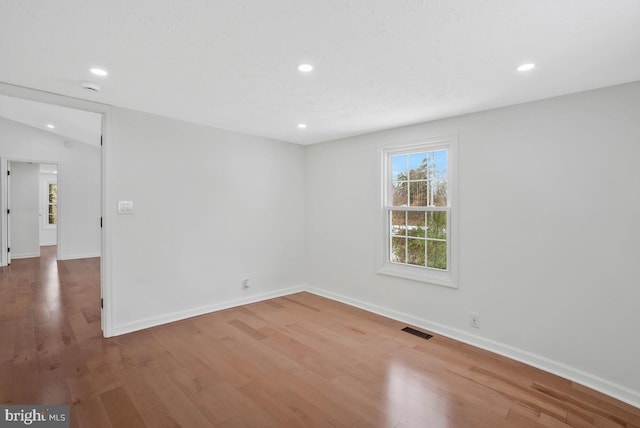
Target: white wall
211, 208
78, 183
549, 202
48, 234
569, 306
25, 206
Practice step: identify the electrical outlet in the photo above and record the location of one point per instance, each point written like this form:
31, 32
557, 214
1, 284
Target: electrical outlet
474, 320
246, 283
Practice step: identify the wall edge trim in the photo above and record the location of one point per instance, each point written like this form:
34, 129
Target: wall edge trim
154, 321
79, 256
599, 384
596, 383
25, 255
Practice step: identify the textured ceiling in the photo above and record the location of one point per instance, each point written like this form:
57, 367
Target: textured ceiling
378, 63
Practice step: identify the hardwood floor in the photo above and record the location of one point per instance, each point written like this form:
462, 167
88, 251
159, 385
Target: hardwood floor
296, 361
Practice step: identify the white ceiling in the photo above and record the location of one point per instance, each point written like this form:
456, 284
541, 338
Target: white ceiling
48, 168
69, 123
378, 63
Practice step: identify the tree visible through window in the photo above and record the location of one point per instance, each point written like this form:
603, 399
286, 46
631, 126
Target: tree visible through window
418, 208
52, 208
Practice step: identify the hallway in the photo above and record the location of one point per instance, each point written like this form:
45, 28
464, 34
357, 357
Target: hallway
44, 329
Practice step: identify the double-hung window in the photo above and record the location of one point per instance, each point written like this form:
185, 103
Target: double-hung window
417, 217
51, 204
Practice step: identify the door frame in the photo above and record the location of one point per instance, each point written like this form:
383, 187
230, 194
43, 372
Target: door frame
5, 219
106, 316
5, 255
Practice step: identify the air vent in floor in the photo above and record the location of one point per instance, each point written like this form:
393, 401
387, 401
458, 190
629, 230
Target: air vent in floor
417, 333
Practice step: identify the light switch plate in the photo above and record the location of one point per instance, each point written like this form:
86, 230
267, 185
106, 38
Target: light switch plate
125, 207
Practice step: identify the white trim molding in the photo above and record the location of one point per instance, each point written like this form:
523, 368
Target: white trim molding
202, 310
78, 256
586, 379
446, 277
24, 255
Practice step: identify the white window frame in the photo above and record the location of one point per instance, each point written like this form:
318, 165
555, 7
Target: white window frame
448, 277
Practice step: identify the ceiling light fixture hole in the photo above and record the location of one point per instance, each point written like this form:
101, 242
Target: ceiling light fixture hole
90, 86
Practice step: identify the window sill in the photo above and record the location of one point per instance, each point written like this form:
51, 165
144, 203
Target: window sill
418, 274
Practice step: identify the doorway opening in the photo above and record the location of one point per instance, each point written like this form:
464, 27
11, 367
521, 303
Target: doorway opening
32, 209
51, 194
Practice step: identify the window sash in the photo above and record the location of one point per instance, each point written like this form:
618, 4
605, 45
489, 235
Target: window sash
415, 208
389, 236
388, 197
51, 214
50, 207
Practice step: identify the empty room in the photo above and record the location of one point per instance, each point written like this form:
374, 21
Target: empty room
372, 213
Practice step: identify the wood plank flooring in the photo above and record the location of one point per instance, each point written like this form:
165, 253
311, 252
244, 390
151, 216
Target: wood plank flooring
295, 361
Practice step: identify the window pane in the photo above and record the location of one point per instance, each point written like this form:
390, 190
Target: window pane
400, 193
437, 224
399, 167
437, 254
398, 250
53, 214
398, 223
438, 177
415, 251
418, 193
53, 193
440, 194
417, 166
416, 224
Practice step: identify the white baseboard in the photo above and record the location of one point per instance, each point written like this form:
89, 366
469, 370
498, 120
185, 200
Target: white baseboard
602, 385
594, 382
47, 243
79, 256
24, 255
189, 313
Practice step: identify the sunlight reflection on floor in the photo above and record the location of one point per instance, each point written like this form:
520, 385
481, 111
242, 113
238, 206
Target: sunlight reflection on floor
411, 400
52, 292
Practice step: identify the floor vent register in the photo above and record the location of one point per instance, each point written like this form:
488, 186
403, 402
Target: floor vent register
418, 333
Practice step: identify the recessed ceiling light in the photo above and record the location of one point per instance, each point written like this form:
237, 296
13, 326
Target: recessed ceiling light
50, 125
526, 67
98, 71
302, 125
305, 68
